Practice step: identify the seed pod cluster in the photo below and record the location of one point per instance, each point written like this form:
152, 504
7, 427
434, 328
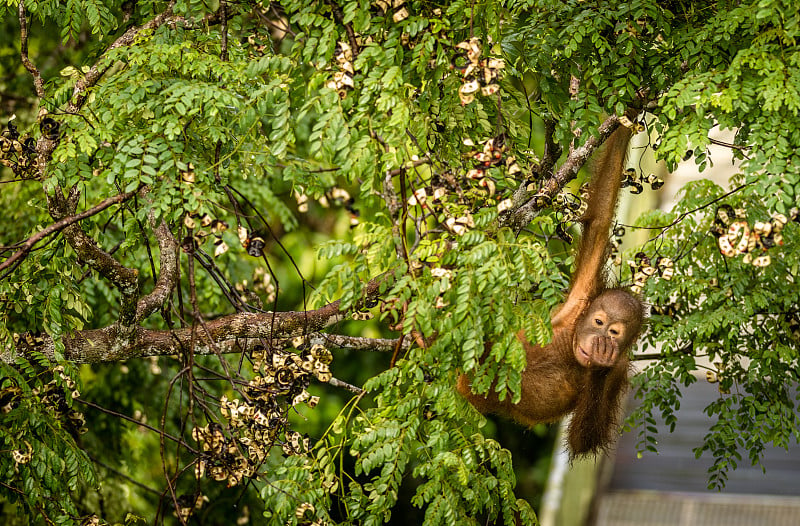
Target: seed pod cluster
342, 79
569, 208
209, 226
736, 237
616, 241
427, 198
491, 153
397, 8
635, 181
478, 74
188, 503
52, 395
642, 270
450, 196
259, 420
18, 152
222, 457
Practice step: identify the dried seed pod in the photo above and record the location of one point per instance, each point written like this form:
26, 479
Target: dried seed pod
491, 89
284, 378
654, 181
303, 510
488, 184
561, 232
322, 354
739, 235
255, 244
29, 145
400, 15
504, 205
469, 87
49, 128
666, 268
322, 372
762, 261
541, 200
725, 215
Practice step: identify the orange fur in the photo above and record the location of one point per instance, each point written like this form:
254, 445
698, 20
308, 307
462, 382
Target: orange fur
554, 382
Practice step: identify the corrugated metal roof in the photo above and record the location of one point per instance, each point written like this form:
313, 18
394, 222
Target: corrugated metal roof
631, 508
675, 468
670, 488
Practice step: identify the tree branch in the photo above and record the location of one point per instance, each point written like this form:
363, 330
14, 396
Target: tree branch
125, 279
335, 382
527, 210
552, 150
727, 144
226, 334
167, 273
357, 342
38, 83
29, 243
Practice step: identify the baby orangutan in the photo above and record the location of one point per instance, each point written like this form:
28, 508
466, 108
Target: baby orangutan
584, 368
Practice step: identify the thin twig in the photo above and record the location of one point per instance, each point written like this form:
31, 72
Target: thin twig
726, 144
351, 35
139, 423
124, 476
412, 164
339, 383
682, 216
223, 9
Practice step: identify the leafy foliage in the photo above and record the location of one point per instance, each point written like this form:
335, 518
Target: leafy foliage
294, 154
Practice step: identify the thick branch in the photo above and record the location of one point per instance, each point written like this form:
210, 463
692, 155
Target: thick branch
357, 342
167, 273
523, 215
126, 280
223, 335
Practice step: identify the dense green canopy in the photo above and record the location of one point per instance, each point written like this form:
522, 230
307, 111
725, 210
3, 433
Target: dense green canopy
215, 211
